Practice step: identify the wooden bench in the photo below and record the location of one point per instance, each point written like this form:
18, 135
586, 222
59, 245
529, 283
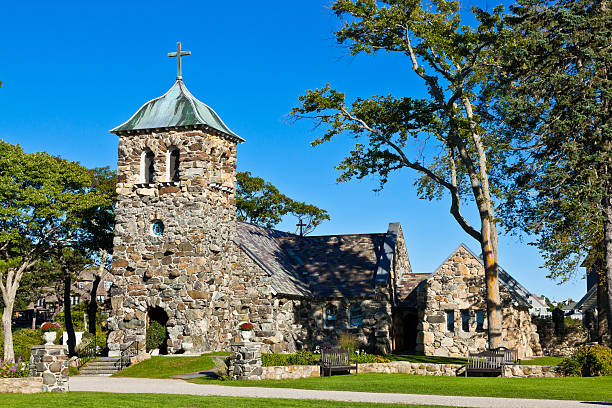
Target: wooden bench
485, 362
336, 360
510, 355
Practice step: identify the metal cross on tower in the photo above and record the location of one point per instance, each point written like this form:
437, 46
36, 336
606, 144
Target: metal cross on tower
301, 225
178, 54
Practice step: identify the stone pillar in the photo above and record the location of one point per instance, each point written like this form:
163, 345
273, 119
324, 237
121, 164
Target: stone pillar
245, 361
51, 363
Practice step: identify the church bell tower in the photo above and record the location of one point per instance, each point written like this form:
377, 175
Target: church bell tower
175, 221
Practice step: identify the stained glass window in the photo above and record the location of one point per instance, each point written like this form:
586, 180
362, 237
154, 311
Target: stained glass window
157, 228
330, 316
355, 316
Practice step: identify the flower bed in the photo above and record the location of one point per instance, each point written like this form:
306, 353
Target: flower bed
14, 369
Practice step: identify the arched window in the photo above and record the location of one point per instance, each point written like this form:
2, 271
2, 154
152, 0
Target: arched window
173, 164
329, 318
355, 316
147, 167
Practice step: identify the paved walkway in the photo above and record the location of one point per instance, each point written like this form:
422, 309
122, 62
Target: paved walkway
146, 385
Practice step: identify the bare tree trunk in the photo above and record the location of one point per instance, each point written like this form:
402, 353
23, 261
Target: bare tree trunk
7, 330
92, 308
607, 210
68, 315
494, 310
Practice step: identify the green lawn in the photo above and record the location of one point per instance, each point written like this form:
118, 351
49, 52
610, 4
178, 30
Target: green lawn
568, 388
166, 367
101, 400
543, 361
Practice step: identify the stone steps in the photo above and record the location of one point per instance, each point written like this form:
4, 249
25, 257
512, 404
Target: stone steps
103, 366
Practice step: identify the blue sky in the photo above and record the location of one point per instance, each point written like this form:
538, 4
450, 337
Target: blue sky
73, 70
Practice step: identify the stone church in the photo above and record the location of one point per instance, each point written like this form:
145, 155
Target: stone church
181, 258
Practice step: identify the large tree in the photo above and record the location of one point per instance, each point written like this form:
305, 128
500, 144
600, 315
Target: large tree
98, 226
552, 100
42, 203
259, 202
438, 135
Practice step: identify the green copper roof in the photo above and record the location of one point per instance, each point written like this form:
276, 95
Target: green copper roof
177, 107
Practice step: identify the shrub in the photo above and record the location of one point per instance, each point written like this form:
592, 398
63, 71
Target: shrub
588, 361
348, 342
10, 369
156, 334
308, 358
100, 339
300, 358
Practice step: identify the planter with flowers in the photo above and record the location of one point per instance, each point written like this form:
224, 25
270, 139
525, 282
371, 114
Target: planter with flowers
246, 330
50, 330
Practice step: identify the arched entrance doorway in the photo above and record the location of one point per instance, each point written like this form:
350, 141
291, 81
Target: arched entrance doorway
154, 333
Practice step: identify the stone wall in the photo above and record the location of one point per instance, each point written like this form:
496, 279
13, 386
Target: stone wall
292, 372
373, 335
26, 385
50, 362
245, 361
561, 346
186, 271
276, 324
457, 285
404, 367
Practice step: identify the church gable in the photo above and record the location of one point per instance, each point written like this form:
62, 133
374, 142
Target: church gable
454, 309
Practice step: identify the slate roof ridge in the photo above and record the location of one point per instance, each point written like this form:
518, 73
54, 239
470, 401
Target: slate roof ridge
587, 296
341, 235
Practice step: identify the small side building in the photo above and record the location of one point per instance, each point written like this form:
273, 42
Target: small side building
451, 307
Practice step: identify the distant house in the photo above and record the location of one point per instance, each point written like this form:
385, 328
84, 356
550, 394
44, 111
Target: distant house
571, 310
48, 305
538, 306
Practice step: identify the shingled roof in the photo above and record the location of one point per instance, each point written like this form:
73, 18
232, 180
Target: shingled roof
319, 266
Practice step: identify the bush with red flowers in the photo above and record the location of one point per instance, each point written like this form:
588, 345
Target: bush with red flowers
246, 326
50, 326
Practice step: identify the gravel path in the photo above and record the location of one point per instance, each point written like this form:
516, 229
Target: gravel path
155, 386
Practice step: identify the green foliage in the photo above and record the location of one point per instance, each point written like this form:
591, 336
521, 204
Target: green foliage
588, 361
100, 339
156, 335
78, 313
300, 358
308, 358
46, 202
23, 340
72, 371
260, 203
348, 341
552, 106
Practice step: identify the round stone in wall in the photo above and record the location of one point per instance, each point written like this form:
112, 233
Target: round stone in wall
157, 228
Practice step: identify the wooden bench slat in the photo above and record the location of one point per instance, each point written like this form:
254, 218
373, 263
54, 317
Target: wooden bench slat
338, 360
